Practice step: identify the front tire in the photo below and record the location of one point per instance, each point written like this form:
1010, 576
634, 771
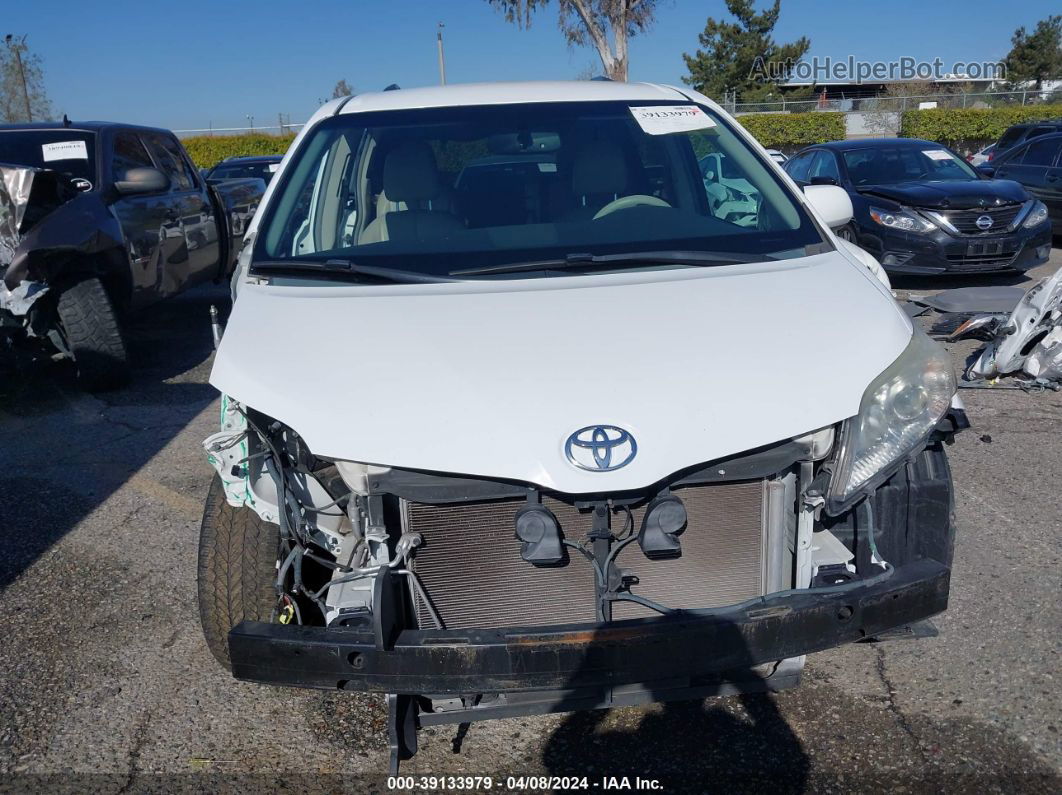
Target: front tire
89, 326
236, 571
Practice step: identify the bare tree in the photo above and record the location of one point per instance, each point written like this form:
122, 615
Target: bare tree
22, 93
606, 25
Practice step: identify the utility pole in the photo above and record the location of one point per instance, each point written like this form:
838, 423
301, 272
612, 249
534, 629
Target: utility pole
16, 48
250, 120
442, 58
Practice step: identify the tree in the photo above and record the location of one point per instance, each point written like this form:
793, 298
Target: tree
22, 93
342, 89
1037, 56
606, 25
742, 55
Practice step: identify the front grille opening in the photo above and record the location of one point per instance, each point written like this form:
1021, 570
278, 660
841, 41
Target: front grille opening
965, 221
471, 568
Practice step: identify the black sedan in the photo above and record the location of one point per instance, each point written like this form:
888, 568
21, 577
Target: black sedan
259, 166
920, 208
1036, 164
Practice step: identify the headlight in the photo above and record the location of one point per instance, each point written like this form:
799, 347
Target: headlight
901, 219
898, 410
1037, 215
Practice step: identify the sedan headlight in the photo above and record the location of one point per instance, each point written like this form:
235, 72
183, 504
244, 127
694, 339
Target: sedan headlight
901, 219
1037, 215
898, 411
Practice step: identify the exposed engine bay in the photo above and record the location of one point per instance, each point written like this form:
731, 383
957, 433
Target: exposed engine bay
447, 552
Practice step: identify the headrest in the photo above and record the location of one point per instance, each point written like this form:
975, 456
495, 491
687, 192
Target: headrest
410, 173
599, 168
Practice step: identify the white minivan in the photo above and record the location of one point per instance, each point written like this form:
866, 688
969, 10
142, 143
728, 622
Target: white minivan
514, 422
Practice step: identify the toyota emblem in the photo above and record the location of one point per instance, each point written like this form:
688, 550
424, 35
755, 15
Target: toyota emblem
600, 448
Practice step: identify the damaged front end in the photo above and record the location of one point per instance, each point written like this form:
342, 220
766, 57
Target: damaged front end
49, 227
465, 598
24, 195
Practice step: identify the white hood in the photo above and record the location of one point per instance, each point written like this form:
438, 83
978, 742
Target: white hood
489, 378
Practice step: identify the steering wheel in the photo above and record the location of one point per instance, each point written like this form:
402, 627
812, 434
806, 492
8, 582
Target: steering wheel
626, 202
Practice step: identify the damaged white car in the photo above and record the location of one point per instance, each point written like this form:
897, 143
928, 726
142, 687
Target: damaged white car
515, 423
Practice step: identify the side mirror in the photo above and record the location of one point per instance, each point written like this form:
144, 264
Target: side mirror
986, 170
142, 180
832, 203
823, 181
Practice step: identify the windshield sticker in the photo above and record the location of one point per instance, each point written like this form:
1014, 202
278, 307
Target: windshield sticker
664, 119
272, 167
64, 150
936, 154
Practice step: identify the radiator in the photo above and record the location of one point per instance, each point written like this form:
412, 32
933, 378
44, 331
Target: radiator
471, 569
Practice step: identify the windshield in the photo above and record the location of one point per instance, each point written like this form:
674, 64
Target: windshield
891, 165
263, 171
435, 191
71, 152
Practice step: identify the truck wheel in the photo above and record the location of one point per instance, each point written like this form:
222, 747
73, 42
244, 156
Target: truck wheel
89, 325
237, 569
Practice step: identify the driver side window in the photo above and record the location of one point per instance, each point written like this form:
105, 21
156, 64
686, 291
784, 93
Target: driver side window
799, 166
825, 165
129, 152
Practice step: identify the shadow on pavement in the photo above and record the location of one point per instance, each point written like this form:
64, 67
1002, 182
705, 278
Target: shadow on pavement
63, 452
687, 746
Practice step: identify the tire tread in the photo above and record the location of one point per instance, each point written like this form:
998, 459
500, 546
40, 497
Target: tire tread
236, 569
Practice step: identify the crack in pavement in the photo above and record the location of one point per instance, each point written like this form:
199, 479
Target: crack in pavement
139, 739
891, 705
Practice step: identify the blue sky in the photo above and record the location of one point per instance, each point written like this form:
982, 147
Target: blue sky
194, 63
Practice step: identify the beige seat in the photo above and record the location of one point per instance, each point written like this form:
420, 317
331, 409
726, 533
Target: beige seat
410, 184
599, 176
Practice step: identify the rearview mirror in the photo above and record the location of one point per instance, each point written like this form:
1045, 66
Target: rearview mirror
142, 180
832, 203
986, 171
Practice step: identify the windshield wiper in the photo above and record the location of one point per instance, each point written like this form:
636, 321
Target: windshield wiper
345, 269
617, 261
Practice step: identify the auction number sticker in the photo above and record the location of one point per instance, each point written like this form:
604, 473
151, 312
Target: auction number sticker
64, 150
664, 119
937, 154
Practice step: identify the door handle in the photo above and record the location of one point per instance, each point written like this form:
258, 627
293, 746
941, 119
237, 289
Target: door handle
1052, 177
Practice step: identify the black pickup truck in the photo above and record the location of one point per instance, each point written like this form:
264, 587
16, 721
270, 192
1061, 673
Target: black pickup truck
98, 219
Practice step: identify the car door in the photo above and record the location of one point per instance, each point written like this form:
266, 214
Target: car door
154, 240
1034, 165
190, 202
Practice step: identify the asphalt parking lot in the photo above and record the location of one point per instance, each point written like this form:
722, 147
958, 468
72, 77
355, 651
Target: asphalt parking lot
107, 682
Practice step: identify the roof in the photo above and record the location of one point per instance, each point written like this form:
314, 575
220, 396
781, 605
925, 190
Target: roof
867, 143
1040, 123
511, 93
89, 126
253, 159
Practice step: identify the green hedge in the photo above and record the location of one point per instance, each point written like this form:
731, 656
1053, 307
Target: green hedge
968, 127
778, 130
206, 150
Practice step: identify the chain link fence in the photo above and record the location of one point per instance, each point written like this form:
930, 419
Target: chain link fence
276, 129
888, 104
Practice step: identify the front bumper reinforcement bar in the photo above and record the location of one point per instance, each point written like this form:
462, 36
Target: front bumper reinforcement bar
691, 644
